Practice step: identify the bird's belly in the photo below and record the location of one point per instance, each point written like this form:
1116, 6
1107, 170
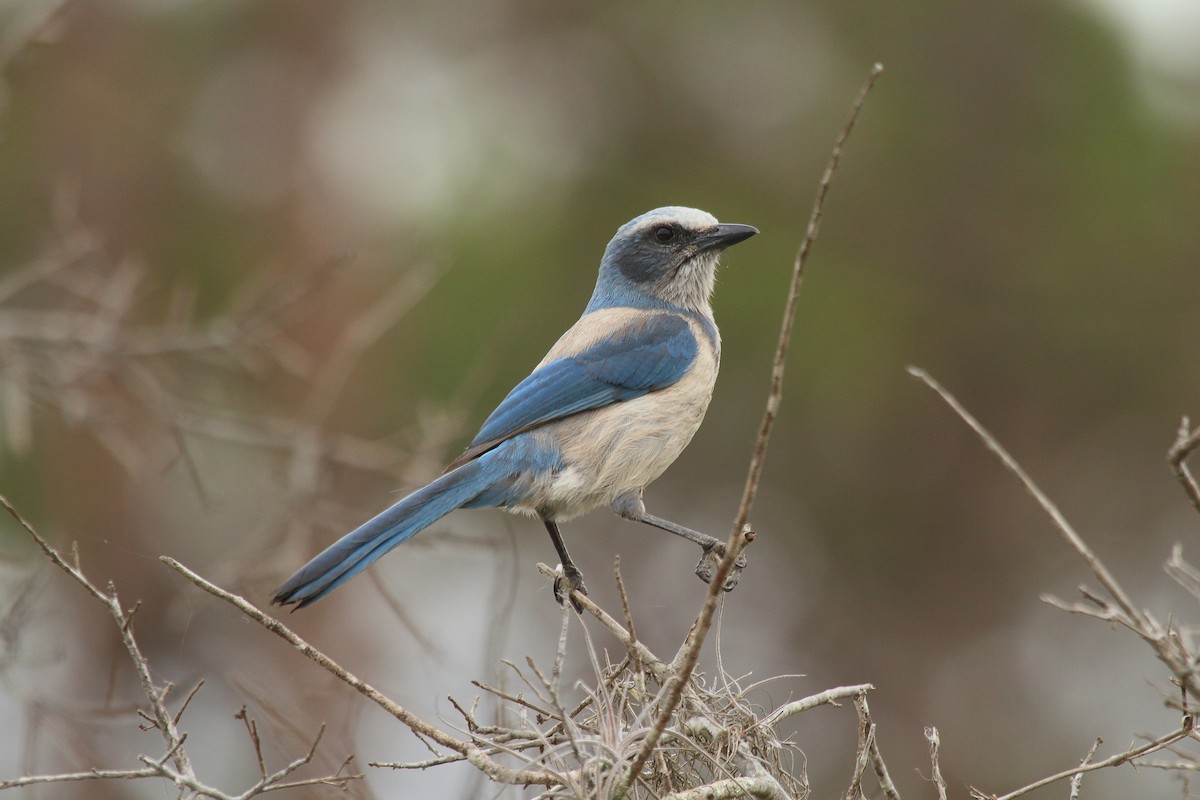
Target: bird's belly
619, 448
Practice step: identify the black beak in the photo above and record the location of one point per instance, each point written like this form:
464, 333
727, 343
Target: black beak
725, 236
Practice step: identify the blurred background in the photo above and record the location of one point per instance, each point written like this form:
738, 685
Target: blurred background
267, 264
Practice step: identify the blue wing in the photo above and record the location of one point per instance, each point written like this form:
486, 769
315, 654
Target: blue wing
642, 356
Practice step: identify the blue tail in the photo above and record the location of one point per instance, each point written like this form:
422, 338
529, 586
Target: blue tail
360, 548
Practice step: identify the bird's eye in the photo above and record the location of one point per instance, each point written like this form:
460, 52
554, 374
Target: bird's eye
664, 233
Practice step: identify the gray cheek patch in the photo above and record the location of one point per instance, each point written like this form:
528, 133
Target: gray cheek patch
641, 263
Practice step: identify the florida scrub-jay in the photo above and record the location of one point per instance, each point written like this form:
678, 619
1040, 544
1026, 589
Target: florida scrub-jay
608, 409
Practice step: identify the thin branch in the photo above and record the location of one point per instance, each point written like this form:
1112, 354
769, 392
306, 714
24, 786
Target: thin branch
862, 757
337, 780
1073, 539
560, 656
1162, 742
90, 775
829, 696
185, 781
276, 781
1171, 766
515, 699
873, 754
1104, 612
163, 719
935, 743
624, 600
474, 754
187, 700
733, 789
789, 316
689, 652
54, 556
421, 765
1186, 441
555, 682
1164, 642
685, 660
653, 663
279, 629
252, 732
1077, 779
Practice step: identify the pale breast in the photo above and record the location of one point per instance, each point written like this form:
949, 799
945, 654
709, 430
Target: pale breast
616, 449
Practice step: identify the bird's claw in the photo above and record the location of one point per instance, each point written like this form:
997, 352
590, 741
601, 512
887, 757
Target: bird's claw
708, 566
570, 579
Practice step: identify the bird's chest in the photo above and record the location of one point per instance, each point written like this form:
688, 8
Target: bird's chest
619, 448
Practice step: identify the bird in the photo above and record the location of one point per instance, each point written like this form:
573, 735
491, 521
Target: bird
614, 402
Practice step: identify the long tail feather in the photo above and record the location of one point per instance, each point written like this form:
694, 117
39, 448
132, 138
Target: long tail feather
360, 548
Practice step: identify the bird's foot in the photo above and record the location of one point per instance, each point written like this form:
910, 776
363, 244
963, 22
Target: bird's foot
570, 579
707, 567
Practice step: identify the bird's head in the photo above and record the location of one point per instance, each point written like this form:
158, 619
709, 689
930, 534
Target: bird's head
667, 255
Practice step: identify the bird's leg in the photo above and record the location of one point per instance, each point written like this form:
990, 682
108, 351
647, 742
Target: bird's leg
571, 578
630, 506
714, 549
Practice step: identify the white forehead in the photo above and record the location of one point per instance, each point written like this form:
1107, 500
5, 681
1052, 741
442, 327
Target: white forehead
688, 218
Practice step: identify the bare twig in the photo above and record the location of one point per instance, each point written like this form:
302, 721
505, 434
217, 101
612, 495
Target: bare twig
419, 765
553, 685
560, 656
1076, 781
1165, 642
789, 315
1186, 441
252, 732
935, 743
829, 696
1162, 742
1073, 539
1172, 766
188, 700
473, 753
163, 719
862, 756
174, 765
515, 699
873, 754
649, 660
685, 660
624, 601
732, 789
89, 775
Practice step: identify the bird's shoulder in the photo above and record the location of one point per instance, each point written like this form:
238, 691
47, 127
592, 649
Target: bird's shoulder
608, 356
611, 332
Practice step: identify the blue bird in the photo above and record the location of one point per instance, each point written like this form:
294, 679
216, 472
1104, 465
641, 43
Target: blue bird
610, 407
